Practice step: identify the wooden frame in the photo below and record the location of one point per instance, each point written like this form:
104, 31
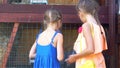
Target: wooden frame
31, 13
10, 43
112, 34
5, 1
119, 6
34, 13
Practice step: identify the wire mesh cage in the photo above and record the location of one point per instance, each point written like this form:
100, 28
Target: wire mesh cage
25, 38
5, 31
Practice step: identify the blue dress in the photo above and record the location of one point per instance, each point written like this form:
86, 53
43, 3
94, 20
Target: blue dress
46, 55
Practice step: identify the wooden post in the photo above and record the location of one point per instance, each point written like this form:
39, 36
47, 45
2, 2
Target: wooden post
10, 44
112, 33
102, 2
5, 1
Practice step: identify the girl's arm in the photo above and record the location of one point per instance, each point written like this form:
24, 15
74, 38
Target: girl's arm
89, 42
89, 45
32, 53
60, 52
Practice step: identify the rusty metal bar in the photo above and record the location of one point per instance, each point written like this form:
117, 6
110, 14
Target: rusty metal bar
10, 44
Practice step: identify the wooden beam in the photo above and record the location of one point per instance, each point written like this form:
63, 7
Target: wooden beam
4, 1
10, 44
34, 13
34, 17
112, 34
118, 39
28, 8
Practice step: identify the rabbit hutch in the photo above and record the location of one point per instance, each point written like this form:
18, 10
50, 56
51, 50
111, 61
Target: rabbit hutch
20, 22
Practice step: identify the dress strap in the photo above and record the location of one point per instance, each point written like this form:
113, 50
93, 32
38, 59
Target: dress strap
53, 37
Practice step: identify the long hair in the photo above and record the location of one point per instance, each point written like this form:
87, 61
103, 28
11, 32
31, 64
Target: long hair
89, 6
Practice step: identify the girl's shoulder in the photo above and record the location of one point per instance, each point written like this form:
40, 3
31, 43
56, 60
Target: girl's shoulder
86, 26
59, 35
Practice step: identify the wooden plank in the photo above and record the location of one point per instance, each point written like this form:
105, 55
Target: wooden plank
20, 8
32, 18
118, 39
27, 8
35, 17
112, 34
34, 13
10, 43
5, 1
51, 2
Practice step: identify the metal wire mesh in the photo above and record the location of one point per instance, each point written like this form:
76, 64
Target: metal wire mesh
5, 31
26, 36
24, 39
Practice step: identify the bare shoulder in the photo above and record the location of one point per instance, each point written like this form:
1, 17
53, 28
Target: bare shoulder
86, 26
59, 35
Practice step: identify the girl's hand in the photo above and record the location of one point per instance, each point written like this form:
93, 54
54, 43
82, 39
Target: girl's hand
71, 59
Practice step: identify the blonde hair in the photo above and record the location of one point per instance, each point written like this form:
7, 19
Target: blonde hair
51, 16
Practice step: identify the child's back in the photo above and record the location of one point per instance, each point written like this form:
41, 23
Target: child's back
46, 51
48, 47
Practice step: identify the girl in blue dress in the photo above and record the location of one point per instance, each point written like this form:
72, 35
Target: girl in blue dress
48, 46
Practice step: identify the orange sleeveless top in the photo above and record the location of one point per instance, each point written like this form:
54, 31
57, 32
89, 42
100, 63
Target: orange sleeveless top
80, 44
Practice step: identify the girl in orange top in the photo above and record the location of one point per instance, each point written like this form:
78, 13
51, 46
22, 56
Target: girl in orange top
91, 40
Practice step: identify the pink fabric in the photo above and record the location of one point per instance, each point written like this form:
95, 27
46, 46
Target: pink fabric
79, 29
